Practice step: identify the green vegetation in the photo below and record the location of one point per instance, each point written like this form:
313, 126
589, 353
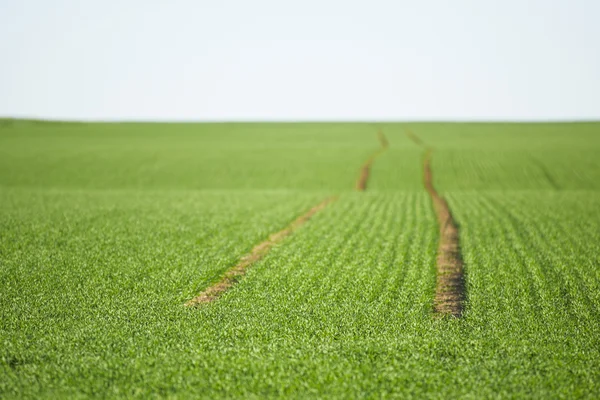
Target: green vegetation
107, 229
184, 156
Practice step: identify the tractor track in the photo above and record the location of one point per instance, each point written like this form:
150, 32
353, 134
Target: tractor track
450, 291
234, 274
365, 170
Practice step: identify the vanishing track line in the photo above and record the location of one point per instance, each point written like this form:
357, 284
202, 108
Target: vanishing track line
450, 283
234, 274
365, 170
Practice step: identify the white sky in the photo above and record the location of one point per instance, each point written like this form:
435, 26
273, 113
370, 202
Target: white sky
300, 60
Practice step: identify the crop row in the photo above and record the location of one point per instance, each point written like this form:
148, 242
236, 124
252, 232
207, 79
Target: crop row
93, 282
185, 156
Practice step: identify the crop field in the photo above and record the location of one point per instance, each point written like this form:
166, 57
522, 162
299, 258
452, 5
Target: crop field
307, 285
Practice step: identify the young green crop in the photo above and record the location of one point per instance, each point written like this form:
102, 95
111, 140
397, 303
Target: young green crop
185, 156
107, 229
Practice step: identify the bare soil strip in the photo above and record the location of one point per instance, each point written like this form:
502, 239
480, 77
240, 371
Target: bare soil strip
365, 170
234, 274
450, 286
415, 138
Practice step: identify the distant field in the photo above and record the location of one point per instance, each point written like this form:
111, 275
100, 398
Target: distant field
106, 230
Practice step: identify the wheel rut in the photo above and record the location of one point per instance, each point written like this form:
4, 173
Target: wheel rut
450, 291
365, 170
234, 274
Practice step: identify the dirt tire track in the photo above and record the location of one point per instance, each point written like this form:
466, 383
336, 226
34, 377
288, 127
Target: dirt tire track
450, 291
365, 170
415, 139
234, 274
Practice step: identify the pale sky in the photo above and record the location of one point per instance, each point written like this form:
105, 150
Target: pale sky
300, 60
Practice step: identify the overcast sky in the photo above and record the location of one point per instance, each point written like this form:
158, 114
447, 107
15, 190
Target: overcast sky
300, 60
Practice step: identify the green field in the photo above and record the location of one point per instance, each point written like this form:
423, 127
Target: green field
106, 230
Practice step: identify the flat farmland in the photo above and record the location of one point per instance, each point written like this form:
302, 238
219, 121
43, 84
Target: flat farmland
107, 230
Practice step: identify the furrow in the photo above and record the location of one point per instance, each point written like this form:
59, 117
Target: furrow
234, 274
506, 236
562, 277
450, 284
365, 170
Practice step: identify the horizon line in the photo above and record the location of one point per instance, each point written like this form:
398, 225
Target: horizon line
296, 121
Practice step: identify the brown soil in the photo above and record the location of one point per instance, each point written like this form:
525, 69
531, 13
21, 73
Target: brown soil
450, 285
415, 138
382, 139
233, 275
365, 170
